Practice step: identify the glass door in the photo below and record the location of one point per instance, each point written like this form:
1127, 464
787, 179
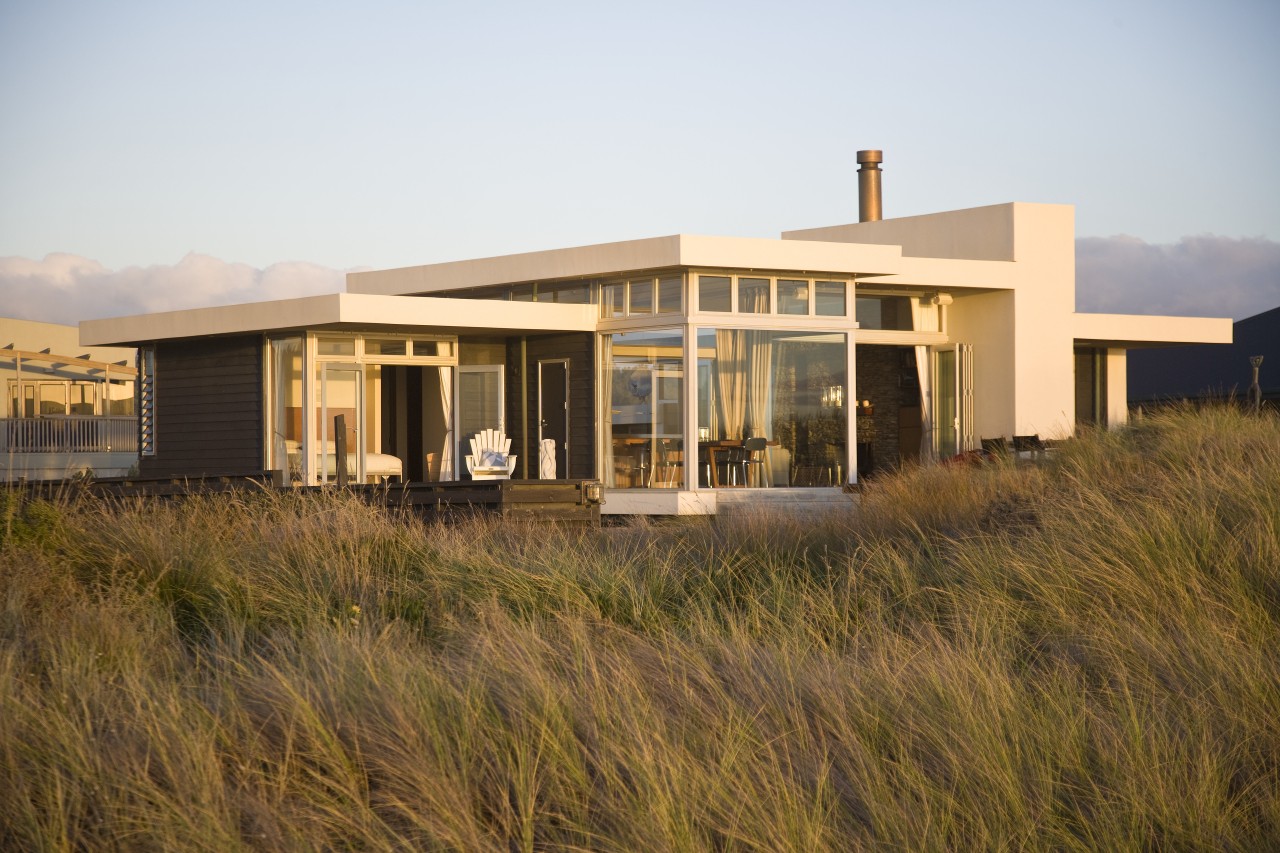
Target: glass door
480, 406
341, 393
953, 399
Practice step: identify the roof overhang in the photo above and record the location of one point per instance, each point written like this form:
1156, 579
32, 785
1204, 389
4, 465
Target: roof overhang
609, 259
351, 311
951, 273
1131, 331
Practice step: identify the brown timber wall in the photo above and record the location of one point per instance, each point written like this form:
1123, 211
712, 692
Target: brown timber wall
208, 408
579, 348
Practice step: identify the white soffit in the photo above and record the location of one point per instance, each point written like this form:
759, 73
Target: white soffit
1129, 330
343, 310
607, 259
952, 273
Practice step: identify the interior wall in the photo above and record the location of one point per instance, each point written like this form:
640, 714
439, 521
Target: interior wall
886, 376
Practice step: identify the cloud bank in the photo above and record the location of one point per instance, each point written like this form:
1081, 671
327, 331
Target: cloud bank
66, 289
1198, 276
1203, 276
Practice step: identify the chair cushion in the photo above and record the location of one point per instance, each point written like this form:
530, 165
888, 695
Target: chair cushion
493, 458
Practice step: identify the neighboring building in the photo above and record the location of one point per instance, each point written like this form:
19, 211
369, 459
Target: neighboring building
68, 409
649, 363
1220, 372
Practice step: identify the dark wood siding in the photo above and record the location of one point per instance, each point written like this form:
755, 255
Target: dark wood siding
579, 348
208, 408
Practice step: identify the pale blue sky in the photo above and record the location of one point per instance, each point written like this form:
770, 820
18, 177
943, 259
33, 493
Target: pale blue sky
385, 134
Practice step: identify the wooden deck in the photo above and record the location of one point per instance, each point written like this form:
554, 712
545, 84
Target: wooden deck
573, 501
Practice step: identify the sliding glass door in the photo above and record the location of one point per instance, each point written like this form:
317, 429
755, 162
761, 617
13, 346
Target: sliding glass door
480, 406
341, 393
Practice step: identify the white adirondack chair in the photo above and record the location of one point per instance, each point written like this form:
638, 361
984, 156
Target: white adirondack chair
490, 457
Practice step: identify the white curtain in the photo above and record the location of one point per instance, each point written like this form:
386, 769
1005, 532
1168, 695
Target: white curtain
759, 351
446, 409
606, 394
731, 381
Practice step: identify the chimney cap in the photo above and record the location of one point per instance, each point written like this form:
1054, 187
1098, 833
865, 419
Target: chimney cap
871, 155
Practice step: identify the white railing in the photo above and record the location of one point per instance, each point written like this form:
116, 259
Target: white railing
69, 435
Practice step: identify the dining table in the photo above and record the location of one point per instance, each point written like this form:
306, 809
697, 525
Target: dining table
714, 447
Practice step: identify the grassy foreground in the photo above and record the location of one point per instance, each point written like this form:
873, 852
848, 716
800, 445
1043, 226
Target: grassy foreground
1078, 655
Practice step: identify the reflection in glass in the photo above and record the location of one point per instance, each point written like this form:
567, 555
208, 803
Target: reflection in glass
793, 296
386, 346
669, 295
714, 293
785, 387
336, 346
883, 312
643, 380
829, 299
613, 300
642, 296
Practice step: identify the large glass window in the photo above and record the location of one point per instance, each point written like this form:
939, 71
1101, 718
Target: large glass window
771, 407
643, 381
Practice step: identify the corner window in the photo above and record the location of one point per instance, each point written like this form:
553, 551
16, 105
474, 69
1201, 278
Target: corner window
669, 295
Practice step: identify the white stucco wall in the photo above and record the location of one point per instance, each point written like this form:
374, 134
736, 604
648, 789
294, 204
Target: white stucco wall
985, 320
1022, 334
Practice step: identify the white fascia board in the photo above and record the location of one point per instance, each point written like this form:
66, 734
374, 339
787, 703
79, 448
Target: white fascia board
789, 255
607, 259
339, 310
581, 261
1136, 330
951, 273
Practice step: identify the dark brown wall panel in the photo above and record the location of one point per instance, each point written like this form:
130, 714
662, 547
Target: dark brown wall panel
208, 408
579, 348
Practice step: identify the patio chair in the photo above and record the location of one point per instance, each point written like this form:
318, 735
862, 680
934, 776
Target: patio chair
1030, 445
490, 457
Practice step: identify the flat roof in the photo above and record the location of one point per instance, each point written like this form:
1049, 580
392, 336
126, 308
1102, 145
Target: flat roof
1144, 330
609, 259
350, 311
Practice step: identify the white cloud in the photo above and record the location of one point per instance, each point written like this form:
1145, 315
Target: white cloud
1205, 276
67, 288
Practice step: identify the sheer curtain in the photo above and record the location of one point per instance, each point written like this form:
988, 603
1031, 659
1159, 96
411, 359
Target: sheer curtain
759, 352
606, 394
446, 409
731, 381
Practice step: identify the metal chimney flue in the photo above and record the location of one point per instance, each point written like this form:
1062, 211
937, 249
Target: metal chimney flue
869, 185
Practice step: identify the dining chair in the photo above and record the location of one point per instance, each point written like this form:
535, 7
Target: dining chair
753, 450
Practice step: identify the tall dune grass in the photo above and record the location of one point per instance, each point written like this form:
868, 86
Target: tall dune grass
1083, 654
